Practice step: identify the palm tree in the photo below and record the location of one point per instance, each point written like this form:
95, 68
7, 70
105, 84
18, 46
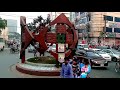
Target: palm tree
3, 24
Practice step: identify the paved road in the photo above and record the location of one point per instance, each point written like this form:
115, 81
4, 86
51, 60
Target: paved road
8, 61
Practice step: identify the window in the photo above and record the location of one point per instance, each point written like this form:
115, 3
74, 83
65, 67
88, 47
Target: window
108, 51
108, 29
117, 19
109, 18
83, 20
117, 30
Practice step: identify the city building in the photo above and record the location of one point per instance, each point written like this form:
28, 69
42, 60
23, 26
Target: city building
99, 27
12, 29
12, 25
4, 34
72, 17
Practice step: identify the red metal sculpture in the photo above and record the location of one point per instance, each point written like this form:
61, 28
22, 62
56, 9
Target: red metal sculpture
65, 34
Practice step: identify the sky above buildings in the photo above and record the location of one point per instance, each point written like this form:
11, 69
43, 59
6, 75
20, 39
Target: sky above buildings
16, 16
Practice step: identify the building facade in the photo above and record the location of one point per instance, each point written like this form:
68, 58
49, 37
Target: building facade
12, 25
12, 28
92, 25
4, 34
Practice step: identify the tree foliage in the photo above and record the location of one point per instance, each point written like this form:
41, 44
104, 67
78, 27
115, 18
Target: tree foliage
39, 21
3, 24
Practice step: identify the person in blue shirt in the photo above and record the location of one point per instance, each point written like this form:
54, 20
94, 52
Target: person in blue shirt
85, 68
66, 70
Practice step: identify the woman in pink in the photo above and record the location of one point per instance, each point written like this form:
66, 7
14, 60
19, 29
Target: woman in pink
86, 69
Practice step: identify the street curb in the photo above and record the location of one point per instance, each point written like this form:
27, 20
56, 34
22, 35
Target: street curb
38, 72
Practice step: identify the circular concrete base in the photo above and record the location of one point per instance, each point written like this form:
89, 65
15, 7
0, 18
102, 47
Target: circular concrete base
37, 70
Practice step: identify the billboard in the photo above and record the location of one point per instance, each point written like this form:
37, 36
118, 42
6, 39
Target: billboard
61, 57
61, 47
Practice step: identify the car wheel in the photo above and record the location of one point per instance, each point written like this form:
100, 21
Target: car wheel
2, 49
114, 59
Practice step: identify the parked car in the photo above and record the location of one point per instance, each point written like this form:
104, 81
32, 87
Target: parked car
115, 55
104, 55
2, 44
102, 47
96, 60
85, 46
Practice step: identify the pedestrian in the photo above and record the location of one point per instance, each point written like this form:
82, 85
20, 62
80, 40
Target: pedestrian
66, 70
74, 67
85, 69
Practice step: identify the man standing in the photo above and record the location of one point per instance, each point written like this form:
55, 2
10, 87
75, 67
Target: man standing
66, 71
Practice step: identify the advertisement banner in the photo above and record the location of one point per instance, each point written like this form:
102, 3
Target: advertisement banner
61, 47
61, 57
110, 35
117, 35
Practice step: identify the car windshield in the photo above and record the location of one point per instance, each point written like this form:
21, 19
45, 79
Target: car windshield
100, 52
79, 46
91, 54
85, 46
115, 51
82, 46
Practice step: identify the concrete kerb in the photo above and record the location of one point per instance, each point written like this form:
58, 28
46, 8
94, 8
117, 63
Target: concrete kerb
37, 72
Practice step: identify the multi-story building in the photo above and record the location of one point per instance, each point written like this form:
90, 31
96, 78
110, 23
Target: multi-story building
91, 25
4, 34
12, 28
12, 25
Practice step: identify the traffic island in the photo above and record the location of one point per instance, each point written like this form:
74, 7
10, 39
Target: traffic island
41, 66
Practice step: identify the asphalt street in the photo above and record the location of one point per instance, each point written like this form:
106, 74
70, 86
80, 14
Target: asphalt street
8, 61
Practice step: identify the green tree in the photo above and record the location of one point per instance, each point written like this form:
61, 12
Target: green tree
3, 24
102, 35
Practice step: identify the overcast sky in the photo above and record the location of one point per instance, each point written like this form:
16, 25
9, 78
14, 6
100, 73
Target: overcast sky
16, 16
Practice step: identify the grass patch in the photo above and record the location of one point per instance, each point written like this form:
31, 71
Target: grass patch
44, 60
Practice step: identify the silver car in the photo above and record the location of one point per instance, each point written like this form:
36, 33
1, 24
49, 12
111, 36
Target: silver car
115, 55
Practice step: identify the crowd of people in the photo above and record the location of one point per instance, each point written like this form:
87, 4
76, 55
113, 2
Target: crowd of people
75, 68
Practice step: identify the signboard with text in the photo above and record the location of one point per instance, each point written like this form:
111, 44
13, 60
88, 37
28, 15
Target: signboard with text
118, 35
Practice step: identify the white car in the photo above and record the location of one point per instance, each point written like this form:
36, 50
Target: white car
105, 55
85, 46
